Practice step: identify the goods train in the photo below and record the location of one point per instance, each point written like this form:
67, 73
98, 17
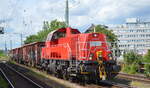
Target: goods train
69, 54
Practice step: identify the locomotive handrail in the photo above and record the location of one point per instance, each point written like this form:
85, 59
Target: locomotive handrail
69, 50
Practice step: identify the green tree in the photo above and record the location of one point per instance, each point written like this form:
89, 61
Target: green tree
111, 37
147, 69
31, 38
132, 57
47, 27
132, 61
147, 57
146, 60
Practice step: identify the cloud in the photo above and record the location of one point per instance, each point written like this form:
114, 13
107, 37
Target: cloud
28, 15
108, 11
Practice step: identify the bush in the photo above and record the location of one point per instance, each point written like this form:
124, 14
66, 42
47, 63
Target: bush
126, 68
2, 54
147, 65
131, 69
147, 70
132, 57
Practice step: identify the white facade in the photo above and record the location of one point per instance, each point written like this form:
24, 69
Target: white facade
134, 35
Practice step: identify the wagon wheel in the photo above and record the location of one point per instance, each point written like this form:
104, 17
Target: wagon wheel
33, 63
29, 63
19, 61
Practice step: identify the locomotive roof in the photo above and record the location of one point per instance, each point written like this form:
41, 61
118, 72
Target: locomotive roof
49, 37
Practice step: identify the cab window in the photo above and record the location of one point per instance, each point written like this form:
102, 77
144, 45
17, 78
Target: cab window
58, 35
74, 32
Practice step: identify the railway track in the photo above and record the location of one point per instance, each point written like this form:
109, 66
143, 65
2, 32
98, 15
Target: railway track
103, 84
3, 75
134, 77
108, 84
17, 79
119, 85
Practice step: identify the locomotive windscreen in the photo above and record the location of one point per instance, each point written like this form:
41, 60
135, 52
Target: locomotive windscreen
95, 43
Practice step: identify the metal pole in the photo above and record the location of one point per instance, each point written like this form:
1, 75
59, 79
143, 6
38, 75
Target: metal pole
10, 44
94, 29
67, 13
5, 47
21, 39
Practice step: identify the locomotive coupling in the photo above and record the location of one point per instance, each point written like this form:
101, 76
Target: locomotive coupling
101, 67
101, 70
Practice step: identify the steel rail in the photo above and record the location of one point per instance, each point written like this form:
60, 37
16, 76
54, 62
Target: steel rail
11, 85
24, 76
108, 84
115, 84
120, 85
134, 77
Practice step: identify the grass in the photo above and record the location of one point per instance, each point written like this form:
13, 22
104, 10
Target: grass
130, 69
43, 77
3, 83
136, 84
3, 56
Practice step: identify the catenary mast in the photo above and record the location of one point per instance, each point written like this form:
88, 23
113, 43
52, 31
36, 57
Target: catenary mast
67, 13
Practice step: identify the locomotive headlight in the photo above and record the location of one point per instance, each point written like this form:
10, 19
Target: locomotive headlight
95, 35
91, 56
110, 56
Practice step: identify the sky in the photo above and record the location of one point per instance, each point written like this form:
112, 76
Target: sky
27, 16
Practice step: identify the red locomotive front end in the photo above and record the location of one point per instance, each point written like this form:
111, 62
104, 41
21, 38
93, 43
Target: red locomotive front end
91, 46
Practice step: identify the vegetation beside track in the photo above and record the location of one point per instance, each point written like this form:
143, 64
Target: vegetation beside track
3, 83
3, 56
136, 84
146, 59
133, 61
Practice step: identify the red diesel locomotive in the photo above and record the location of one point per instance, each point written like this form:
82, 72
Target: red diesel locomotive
68, 54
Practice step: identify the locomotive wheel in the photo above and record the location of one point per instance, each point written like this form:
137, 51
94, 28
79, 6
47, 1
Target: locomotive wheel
82, 79
71, 79
56, 75
65, 75
97, 80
